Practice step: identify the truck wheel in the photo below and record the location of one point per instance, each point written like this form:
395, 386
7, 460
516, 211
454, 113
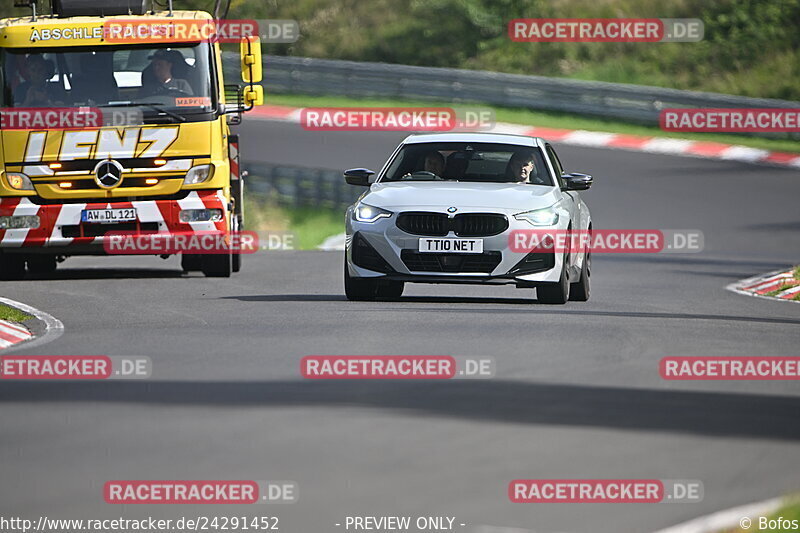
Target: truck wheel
191, 262
217, 265
42, 264
12, 267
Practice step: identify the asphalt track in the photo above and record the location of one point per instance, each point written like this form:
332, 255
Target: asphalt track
577, 392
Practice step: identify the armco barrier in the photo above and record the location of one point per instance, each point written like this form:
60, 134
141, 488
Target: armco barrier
300, 186
633, 103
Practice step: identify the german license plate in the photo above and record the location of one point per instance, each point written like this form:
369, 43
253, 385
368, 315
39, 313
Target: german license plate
451, 245
105, 216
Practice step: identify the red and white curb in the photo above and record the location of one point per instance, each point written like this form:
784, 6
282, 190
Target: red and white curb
744, 516
53, 327
760, 286
12, 333
599, 139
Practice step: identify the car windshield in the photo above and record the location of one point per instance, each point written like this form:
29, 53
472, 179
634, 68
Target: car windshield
462, 161
174, 77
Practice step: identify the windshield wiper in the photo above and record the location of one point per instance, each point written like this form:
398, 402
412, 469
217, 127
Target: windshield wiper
154, 106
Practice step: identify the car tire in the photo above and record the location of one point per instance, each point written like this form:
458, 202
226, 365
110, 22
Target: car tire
12, 267
390, 290
558, 292
581, 289
217, 265
42, 264
359, 289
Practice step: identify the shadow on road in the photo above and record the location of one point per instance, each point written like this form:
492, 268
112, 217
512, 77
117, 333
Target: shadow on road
699, 413
571, 309
70, 274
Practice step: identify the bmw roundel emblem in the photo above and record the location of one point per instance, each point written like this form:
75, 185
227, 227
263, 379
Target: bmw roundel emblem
108, 174
451, 209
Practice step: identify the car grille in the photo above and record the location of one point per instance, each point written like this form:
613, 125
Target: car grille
435, 224
464, 225
431, 262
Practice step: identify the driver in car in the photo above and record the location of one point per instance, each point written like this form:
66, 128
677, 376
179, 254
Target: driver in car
522, 168
433, 163
163, 63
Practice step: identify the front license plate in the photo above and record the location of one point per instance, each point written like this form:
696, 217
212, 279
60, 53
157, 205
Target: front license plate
451, 245
104, 216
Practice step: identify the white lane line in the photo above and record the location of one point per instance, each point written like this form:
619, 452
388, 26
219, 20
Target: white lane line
54, 328
729, 518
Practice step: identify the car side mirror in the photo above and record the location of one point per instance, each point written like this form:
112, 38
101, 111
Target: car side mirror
358, 176
576, 181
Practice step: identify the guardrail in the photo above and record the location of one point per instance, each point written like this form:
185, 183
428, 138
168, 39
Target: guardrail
300, 186
632, 103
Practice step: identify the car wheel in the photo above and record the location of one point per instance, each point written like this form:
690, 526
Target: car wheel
581, 289
12, 267
558, 292
42, 264
390, 290
217, 265
359, 289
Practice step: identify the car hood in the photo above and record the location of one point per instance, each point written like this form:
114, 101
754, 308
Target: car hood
462, 195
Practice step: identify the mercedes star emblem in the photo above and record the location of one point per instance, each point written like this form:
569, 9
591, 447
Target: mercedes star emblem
108, 174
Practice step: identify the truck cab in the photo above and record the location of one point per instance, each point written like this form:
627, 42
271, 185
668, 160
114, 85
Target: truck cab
109, 133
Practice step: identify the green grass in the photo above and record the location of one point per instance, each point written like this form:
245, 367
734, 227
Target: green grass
790, 511
779, 290
9, 313
310, 225
796, 272
539, 118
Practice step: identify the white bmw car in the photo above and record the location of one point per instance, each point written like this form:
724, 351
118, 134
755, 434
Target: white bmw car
444, 209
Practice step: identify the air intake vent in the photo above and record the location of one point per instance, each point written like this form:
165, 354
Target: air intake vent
98, 8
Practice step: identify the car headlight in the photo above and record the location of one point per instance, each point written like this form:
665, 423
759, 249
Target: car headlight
198, 174
19, 181
368, 213
200, 215
539, 217
20, 222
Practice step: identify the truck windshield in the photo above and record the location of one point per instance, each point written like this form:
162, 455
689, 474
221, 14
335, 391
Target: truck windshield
176, 78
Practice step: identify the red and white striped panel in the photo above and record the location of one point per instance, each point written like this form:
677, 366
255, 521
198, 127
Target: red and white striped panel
11, 334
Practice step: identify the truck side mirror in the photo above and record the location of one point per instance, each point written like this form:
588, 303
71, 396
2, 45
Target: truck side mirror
250, 52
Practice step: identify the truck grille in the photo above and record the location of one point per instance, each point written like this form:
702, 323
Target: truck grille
430, 262
464, 225
99, 230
